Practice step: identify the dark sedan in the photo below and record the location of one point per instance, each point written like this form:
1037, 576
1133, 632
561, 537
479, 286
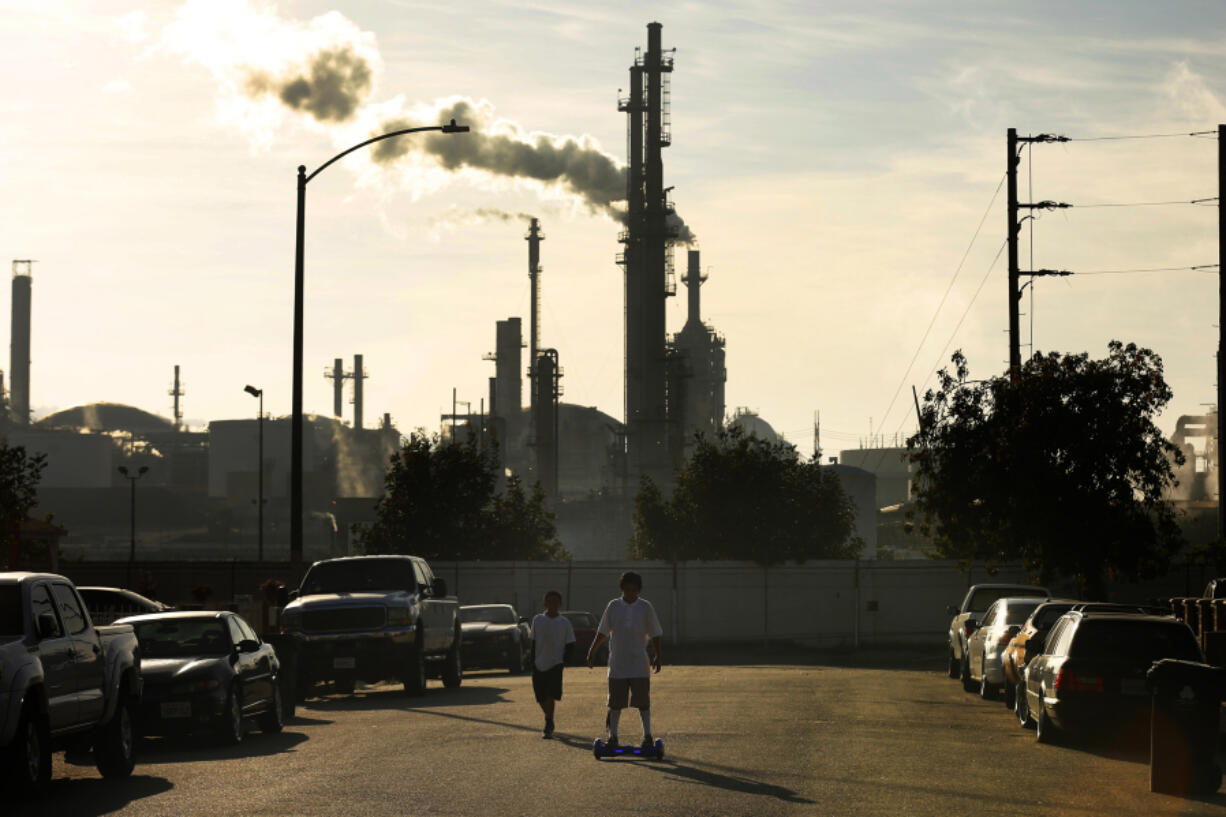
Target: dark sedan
494, 636
584, 624
106, 604
205, 670
1091, 675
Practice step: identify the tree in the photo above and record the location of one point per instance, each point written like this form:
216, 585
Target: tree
1062, 468
441, 503
741, 497
20, 473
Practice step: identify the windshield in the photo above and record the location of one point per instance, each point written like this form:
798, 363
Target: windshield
1018, 611
1137, 642
1048, 614
10, 611
181, 638
582, 620
359, 575
984, 596
493, 613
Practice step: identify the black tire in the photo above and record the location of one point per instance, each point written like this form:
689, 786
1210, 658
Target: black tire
1044, 731
954, 665
987, 691
415, 672
344, 686
964, 674
1021, 705
516, 666
271, 722
453, 665
1009, 694
289, 696
230, 727
115, 746
28, 760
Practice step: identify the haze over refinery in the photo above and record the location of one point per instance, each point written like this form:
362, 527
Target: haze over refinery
833, 165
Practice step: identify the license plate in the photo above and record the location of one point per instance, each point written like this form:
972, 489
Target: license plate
1132, 686
344, 663
176, 709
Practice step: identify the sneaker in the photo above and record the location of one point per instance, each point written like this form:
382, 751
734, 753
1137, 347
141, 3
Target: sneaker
548, 730
648, 742
612, 742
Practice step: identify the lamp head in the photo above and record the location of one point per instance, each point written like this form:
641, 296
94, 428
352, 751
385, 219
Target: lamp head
123, 469
253, 391
142, 470
452, 127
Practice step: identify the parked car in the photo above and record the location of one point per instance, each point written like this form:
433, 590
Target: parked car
64, 682
205, 670
584, 624
976, 602
986, 646
495, 636
1028, 642
108, 604
1091, 675
1215, 589
1121, 608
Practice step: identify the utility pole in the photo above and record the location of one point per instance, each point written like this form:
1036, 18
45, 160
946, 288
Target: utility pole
1221, 318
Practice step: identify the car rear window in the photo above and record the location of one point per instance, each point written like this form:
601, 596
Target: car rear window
494, 614
10, 611
1139, 642
983, 597
1048, 614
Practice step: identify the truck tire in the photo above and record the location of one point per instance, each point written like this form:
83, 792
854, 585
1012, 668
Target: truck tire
28, 760
271, 721
115, 746
415, 671
453, 666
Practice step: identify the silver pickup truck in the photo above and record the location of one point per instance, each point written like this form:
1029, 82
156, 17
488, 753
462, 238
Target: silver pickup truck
64, 683
372, 618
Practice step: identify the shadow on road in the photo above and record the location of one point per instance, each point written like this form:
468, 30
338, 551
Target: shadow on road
905, 658
89, 797
389, 697
192, 749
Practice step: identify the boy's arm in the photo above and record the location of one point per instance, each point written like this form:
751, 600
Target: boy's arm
596, 642
655, 645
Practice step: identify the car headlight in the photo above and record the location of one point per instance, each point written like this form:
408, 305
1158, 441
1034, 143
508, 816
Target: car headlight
398, 616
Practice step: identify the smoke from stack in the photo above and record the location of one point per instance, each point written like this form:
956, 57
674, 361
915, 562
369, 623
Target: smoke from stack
334, 85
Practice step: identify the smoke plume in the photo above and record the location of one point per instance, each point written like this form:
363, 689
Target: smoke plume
334, 85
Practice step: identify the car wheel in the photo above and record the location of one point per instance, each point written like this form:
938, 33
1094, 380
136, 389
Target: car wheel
344, 686
987, 691
453, 668
1044, 731
272, 720
231, 726
954, 666
968, 683
288, 692
415, 672
29, 757
115, 748
516, 665
1021, 705
1009, 693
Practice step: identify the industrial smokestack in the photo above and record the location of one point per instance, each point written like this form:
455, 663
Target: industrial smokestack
19, 350
534, 239
359, 374
338, 388
693, 281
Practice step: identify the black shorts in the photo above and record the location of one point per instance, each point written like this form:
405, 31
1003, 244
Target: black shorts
547, 684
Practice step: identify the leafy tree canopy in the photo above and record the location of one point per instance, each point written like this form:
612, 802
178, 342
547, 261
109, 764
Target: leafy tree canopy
20, 473
740, 497
441, 502
1062, 468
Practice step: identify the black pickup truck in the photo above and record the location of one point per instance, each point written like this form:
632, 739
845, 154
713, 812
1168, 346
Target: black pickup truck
372, 618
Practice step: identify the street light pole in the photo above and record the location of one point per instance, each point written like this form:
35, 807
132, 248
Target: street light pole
295, 493
132, 545
254, 392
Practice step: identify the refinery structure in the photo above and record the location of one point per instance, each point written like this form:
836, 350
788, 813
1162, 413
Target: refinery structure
208, 492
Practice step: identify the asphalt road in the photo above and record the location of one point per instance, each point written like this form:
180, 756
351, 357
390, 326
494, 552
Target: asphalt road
794, 733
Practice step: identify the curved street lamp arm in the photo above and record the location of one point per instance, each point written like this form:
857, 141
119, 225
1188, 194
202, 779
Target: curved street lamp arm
451, 128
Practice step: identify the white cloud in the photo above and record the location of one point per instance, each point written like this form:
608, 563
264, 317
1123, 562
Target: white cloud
1190, 95
118, 86
133, 27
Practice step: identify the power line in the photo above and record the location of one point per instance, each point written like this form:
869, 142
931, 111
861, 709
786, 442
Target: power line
1197, 268
1199, 202
902, 382
1139, 136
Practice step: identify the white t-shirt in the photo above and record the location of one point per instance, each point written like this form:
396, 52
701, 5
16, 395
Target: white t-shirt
629, 628
550, 637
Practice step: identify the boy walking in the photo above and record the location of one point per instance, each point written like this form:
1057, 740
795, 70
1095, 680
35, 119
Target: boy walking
628, 623
552, 640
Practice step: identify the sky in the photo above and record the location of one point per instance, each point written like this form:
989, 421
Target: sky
839, 163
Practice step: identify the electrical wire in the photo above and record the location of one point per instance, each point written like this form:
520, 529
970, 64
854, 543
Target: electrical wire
919, 348
1199, 202
1139, 136
1197, 268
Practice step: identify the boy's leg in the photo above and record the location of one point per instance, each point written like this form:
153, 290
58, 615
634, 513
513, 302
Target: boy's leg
640, 689
619, 694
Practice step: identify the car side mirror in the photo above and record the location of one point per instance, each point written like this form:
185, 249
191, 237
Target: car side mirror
283, 595
290, 596
248, 645
524, 620
46, 625
439, 588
